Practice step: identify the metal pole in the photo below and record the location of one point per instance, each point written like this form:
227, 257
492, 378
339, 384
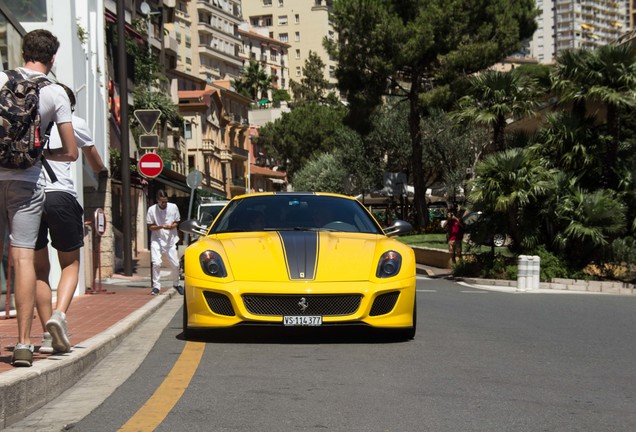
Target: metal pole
124, 128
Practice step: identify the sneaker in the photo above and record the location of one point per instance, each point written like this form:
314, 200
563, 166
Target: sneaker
22, 355
46, 347
59, 332
155, 291
179, 289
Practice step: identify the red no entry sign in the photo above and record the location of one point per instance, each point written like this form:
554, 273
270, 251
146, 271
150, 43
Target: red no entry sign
150, 165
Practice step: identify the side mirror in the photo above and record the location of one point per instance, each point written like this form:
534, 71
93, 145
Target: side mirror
399, 227
191, 226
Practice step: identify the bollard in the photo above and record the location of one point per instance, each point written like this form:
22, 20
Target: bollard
530, 273
536, 272
522, 272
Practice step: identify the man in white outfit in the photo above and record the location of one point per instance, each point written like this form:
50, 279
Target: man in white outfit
63, 220
162, 219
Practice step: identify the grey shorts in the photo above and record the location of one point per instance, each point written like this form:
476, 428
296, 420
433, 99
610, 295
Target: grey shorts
21, 212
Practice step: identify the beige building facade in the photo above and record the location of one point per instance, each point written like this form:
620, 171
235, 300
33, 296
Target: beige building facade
300, 23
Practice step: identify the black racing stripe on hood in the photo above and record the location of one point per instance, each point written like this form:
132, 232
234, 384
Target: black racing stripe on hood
301, 253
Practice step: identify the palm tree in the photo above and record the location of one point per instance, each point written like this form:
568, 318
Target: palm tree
255, 82
612, 72
496, 97
506, 182
591, 221
606, 76
569, 80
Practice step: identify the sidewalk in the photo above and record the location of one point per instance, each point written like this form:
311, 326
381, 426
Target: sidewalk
96, 323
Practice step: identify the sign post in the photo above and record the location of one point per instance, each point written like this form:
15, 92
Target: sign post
150, 165
148, 118
99, 226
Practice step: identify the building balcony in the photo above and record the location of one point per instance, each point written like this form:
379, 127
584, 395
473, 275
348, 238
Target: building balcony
182, 16
239, 152
208, 146
212, 52
233, 15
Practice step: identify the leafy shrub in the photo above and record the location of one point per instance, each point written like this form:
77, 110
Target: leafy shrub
551, 265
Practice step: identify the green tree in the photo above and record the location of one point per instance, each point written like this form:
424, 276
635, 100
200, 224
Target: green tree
313, 86
496, 97
298, 135
417, 49
506, 183
254, 83
325, 172
607, 77
592, 220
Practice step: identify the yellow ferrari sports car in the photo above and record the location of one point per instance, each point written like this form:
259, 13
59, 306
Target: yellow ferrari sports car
298, 259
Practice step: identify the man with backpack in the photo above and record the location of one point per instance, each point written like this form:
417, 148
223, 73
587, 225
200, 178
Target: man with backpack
21, 178
63, 221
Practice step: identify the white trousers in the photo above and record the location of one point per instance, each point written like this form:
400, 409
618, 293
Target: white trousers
157, 254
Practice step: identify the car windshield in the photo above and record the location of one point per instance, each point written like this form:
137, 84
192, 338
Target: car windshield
285, 212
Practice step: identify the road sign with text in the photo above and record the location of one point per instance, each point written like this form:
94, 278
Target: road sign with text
150, 165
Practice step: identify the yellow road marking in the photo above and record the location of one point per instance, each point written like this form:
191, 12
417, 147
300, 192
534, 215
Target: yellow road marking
152, 413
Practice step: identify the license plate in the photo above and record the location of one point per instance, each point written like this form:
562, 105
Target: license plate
302, 320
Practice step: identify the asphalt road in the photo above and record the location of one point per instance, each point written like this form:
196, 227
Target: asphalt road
481, 361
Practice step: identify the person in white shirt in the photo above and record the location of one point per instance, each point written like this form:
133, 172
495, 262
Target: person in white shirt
22, 191
162, 219
63, 220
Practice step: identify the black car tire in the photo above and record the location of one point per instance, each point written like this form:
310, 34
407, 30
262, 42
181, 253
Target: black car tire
409, 332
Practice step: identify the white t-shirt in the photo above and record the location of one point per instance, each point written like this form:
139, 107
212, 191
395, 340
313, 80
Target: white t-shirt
54, 106
62, 170
167, 216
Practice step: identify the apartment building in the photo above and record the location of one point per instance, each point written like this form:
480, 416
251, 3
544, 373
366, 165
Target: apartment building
272, 55
214, 35
578, 24
301, 24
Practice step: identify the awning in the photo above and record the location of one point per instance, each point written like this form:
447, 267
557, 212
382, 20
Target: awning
263, 101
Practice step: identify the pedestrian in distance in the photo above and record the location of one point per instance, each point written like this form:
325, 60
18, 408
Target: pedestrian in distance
22, 189
63, 220
162, 219
454, 234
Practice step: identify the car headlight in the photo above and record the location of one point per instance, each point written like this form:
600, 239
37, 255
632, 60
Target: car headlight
212, 264
389, 264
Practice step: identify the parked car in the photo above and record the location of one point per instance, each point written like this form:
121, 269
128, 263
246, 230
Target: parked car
298, 259
483, 229
209, 210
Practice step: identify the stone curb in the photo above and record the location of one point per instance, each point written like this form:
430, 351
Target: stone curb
24, 390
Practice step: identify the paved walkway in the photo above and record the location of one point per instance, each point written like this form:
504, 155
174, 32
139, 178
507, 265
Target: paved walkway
97, 323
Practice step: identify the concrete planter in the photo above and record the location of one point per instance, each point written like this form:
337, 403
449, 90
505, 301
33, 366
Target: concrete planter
433, 257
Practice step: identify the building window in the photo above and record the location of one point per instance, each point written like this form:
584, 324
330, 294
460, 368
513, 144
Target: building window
297, 19
283, 37
281, 3
267, 2
297, 36
297, 71
187, 130
297, 54
282, 20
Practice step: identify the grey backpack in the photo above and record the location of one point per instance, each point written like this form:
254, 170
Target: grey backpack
21, 145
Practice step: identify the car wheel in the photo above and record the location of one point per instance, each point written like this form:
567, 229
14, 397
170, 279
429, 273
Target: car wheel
498, 240
409, 332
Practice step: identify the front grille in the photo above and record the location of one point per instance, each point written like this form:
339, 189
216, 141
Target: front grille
384, 303
218, 303
316, 304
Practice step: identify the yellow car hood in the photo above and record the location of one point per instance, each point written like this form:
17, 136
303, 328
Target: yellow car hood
300, 255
